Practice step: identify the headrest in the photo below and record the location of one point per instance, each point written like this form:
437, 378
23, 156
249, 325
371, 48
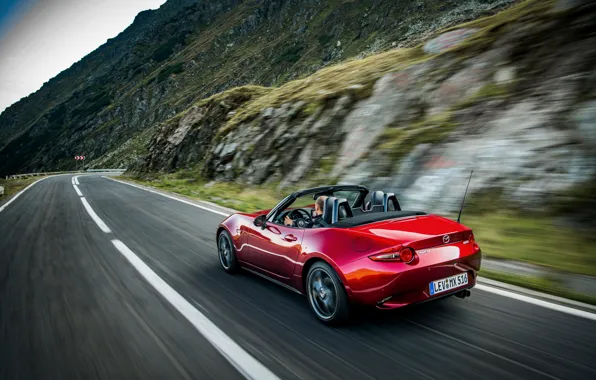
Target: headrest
336, 209
376, 202
343, 209
377, 198
328, 209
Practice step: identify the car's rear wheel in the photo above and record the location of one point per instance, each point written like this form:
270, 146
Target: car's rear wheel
326, 294
227, 253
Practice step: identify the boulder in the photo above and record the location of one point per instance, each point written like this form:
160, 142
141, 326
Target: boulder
448, 40
368, 119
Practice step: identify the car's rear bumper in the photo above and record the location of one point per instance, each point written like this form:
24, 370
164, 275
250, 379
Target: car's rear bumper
387, 290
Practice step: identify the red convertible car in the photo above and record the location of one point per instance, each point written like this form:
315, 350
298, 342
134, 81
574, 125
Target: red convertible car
351, 247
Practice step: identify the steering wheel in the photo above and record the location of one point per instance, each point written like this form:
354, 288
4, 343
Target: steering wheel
298, 214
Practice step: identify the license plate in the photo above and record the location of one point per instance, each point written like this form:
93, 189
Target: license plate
448, 283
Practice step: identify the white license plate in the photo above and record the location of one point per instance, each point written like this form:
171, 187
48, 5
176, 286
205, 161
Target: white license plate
448, 283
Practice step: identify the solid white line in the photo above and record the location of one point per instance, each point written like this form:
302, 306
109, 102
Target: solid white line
503, 293
537, 302
76, 180
77, 190
19, 194
72, 181
95, 218
171, 197
240, 359
535, 294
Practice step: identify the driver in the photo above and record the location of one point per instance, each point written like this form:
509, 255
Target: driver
319, 204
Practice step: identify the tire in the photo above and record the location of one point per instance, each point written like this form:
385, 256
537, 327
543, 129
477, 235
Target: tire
227, 253
326, 294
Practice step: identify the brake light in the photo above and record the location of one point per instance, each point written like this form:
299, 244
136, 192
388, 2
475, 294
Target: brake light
405, 255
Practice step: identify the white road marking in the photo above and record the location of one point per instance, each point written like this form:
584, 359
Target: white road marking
76, 180
72, 181
171, 197
528, 292
487, 288
537, 302
77, 190
240, 359
19, 194
95, 218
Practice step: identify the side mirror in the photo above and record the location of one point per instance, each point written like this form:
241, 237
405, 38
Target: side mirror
261, 221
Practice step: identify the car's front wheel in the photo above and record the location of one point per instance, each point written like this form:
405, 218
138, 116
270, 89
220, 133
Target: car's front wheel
326, 295
227, 253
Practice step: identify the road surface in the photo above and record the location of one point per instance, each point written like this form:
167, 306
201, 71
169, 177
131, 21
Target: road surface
109, 281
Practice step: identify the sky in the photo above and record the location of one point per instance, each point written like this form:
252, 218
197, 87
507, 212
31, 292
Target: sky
41, 38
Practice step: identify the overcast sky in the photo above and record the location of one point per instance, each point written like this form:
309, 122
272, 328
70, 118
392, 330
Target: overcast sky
41, 38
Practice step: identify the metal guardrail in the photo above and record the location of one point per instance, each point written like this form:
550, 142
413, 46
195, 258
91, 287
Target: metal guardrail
16, 176
106, 170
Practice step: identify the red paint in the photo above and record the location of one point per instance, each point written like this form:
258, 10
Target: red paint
348, 251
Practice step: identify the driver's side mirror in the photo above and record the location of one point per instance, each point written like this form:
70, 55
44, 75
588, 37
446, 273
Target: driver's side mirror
261, 221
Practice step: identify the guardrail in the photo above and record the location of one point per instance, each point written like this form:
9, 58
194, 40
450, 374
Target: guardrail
16, 176
106, 170
1, 191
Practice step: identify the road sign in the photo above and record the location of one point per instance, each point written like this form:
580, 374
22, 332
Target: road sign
79, 158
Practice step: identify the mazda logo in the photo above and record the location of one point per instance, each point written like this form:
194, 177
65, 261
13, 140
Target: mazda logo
446, 239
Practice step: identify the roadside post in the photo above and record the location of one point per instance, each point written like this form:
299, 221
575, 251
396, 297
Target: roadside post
82, 159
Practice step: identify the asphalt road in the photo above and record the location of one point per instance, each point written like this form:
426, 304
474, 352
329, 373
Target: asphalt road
73, 306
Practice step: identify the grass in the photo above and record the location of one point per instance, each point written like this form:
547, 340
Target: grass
534, 239
331, 83
398, 142
491, 27
13, 186
237, 196
540, 284
489, 90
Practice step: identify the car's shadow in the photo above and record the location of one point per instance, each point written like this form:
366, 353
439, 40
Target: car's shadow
254, 289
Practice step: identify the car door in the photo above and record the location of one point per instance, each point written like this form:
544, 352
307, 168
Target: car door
275, 249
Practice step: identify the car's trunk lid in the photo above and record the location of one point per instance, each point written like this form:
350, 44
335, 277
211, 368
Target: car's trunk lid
418, 232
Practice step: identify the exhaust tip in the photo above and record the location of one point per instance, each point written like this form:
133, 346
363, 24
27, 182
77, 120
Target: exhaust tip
463, 294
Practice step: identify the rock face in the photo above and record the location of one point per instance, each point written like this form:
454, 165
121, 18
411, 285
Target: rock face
518, 108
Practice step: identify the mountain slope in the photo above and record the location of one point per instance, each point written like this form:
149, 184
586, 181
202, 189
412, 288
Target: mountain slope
511, 96
188, 50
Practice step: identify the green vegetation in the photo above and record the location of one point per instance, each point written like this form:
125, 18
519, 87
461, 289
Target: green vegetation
535, 239
13, 186
291, 54
164, 73
398, 142
540, 284
488, 91
354, 77
492, 27
237, 196
164, 51
337, 80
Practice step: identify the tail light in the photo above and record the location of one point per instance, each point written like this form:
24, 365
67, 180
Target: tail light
405, 255
473, 241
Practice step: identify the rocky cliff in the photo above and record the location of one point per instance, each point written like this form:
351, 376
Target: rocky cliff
108, 103
511, 96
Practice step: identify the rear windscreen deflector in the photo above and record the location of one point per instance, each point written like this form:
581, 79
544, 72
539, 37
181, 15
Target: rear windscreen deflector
372, 217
